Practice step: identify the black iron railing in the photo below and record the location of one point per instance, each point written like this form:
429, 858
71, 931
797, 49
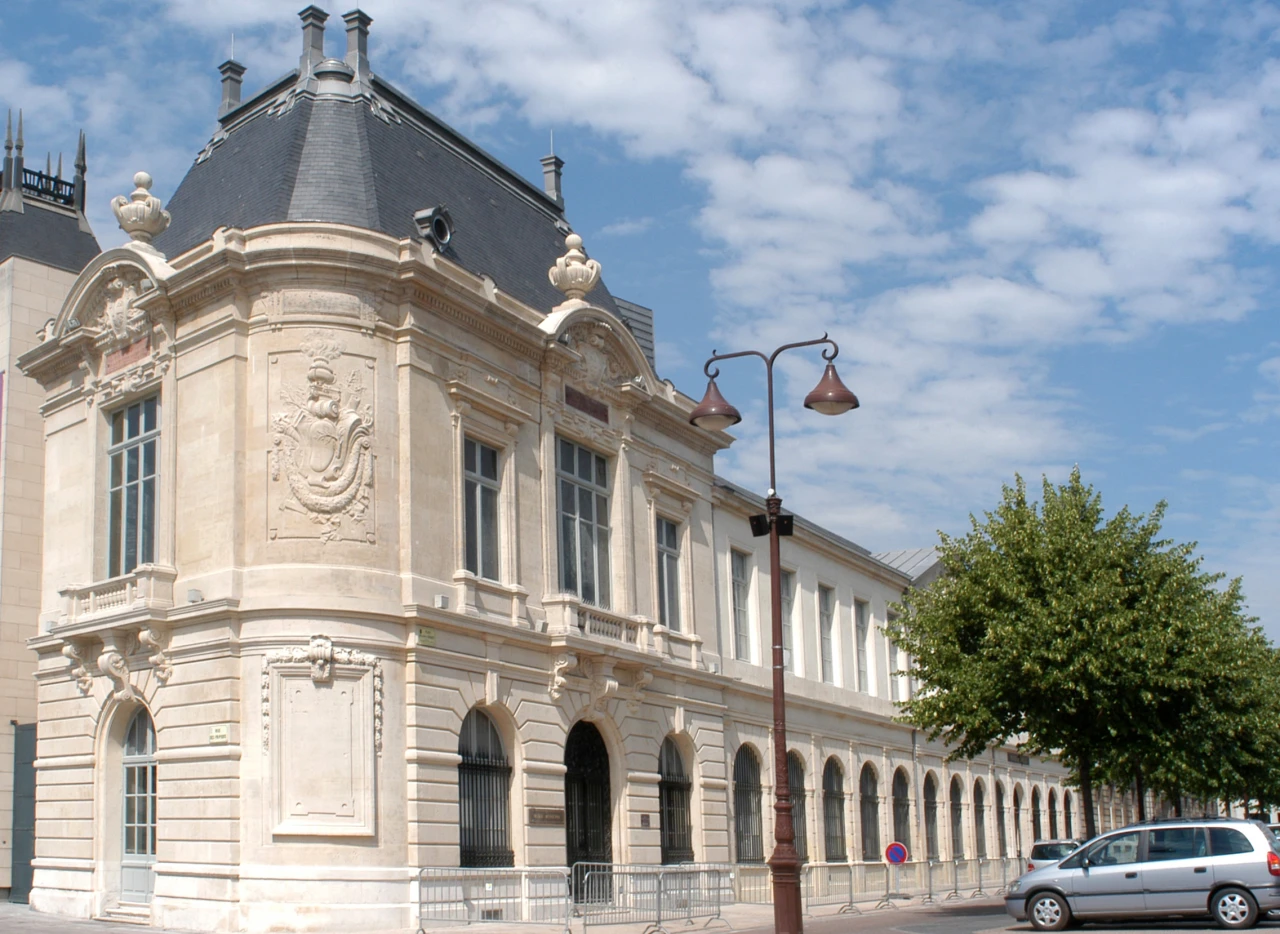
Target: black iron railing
49, 187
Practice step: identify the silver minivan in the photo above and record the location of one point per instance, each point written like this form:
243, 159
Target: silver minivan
1222, 867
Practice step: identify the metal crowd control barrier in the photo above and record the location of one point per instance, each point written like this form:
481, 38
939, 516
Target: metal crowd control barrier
828, 884
654, 896
511, 896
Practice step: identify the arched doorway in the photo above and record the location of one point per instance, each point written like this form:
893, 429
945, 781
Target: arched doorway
930, 817
138, 856
588, 803
674, 805
902, 808
799, 805
1017, 820
1066, 816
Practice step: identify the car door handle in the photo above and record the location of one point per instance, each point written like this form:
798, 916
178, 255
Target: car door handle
1131, 875
1202, 869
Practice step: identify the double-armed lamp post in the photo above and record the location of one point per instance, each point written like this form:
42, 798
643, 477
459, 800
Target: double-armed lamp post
715, 413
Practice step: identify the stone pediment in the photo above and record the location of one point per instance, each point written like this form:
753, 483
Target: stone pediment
603, 356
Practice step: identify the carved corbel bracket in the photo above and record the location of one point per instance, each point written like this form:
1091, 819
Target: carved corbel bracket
563, 663
112, 663
84, 680
639, 683
154, 642
603, 683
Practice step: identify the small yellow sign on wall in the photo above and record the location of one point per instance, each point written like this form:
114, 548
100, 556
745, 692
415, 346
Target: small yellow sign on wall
426, 636
218, 735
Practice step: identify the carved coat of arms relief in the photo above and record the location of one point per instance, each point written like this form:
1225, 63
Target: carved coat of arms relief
322, 461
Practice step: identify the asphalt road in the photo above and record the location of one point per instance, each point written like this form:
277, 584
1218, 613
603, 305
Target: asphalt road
985, 917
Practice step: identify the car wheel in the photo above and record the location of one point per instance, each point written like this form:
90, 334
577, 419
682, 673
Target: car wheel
1048, 911
1234, 908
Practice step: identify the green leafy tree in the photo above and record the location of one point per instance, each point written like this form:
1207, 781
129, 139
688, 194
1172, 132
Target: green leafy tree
1075, 635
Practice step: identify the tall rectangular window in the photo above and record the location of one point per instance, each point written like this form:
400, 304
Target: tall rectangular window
668, 574
741, 575
480, 492
862, 641
826, 623
895, 689
135, 438
583, 487
788, 607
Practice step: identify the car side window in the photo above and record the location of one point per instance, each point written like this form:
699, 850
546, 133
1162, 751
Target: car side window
1226, 841
1176, 843
1115, 851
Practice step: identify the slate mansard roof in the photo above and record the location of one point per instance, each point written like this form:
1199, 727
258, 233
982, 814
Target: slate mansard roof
333, 142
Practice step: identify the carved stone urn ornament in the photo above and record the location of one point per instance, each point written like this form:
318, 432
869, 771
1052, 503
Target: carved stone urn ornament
574, 274
141, 215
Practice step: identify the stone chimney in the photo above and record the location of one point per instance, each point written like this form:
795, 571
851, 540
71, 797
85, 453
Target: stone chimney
358, 40
232, 80
313, 19
551, 166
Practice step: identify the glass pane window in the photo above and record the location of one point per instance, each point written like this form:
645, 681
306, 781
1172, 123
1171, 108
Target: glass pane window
740, 573
826, 624
668, 559
799, 805
583, 492
484, 794
1176, 843
131, 495
1227, 841
140, 787
675, 793
862, 639
748, 835
1116, 851
957, 819
480, 508
788, 608
869, 806
833, 810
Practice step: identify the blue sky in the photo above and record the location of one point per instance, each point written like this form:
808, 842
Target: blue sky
1044, 233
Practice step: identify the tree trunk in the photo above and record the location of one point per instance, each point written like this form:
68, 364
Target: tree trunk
1086, 794
1141, 793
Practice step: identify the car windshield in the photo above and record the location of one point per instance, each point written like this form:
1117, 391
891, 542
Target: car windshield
1052, 850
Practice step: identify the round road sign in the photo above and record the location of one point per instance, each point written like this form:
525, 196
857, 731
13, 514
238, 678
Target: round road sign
895, 853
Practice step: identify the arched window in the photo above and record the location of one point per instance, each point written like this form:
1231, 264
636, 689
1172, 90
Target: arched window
675, 792
902, 808
957, 819
1035, 815
747, 832
930, 817
1053, 814
979, 820
799, 821
1017, 820
1002, 834
1066, 816
869, 806
484, 794
137, 877
833, 810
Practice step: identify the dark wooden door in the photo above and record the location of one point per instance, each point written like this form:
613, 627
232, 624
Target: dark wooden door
24, 810
588, 811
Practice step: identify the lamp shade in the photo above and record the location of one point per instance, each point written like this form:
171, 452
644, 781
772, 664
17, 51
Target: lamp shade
714, 413
830, 396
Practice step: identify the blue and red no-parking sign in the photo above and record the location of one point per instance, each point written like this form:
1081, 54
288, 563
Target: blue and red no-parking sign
895, 853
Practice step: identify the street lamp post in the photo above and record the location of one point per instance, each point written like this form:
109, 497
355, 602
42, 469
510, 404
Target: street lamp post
829, 397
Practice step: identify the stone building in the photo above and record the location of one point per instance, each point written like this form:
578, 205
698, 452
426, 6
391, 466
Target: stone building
44, 241
375, 542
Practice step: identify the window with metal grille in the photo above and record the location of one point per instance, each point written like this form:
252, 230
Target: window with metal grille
675, 793
869, 808
140, 787
1053, 815
957, 819
1035, 815
833, 810
862, 639
902, 808
826, 625
788, 608
1017, 821
930, 817
748, 834
799, 805
1002, 835
980, 820
480, 495
740, 573
484, 794
668, 574
1066, 816
583, 494
131, 518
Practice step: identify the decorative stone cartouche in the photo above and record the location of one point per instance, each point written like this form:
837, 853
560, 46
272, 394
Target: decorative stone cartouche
141, 215
574, 274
